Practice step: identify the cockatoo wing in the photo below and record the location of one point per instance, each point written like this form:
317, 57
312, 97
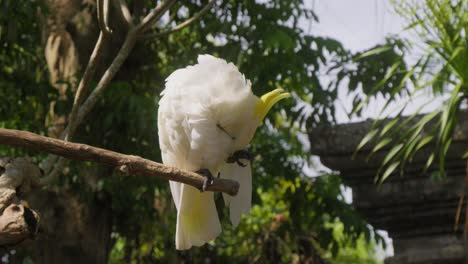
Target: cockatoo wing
239, 204
197, 217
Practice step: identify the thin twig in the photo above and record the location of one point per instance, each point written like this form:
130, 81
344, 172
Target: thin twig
458, 213
102, 13
80, 94
154, 15
103, 16
84, 84
125, 164
124, 13
465, 228
186, 23
122, 55
80, 111
106, 15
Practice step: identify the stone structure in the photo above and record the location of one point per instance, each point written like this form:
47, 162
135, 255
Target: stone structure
417, 212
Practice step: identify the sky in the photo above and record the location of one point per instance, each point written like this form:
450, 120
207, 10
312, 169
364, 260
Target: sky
360, 25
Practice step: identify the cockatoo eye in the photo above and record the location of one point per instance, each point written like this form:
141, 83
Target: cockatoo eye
225, 131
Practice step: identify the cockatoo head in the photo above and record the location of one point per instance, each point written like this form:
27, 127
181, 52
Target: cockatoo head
215, 90
250, 114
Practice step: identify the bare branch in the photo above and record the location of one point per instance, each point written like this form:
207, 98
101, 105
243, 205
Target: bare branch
186, 23
122, 10
84, 84
80, 93
106, 15
105, 80
126, 164
103, 16
154, 15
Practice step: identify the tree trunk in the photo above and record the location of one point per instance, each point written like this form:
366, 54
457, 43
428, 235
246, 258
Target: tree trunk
74, 230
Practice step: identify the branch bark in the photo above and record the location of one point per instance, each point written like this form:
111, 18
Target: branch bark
81, 92
123, 12
186, 23
154, 15
17, 221
84, 83
103, 16
126, 164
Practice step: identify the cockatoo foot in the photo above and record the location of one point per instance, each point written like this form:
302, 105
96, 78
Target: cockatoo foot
240, 154
208, 178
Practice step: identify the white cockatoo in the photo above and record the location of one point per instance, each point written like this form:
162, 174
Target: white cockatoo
207, 117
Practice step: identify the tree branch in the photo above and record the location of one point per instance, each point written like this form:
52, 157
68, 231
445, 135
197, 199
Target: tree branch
124, 13
122, 55
154, 15
103, 16
84, 84
186, 23
126, 164
80, 94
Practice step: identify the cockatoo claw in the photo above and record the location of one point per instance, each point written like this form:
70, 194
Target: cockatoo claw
238, 155
208, 178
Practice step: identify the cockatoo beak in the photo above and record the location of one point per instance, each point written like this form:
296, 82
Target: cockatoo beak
268, 100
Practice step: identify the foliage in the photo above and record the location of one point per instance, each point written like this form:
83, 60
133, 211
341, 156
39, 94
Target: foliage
293, 215
24, 84
25, 91
441, 68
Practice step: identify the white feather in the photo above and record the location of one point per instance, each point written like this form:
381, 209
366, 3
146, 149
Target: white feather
239, 204
197, 218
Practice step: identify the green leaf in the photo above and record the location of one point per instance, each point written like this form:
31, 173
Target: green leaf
429, 161
373, 52
423, 142
465, 156
388, 126
392, 153
449, 117
410, 146
279, 38
366, 139
391, 168
445, 148
382, 143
